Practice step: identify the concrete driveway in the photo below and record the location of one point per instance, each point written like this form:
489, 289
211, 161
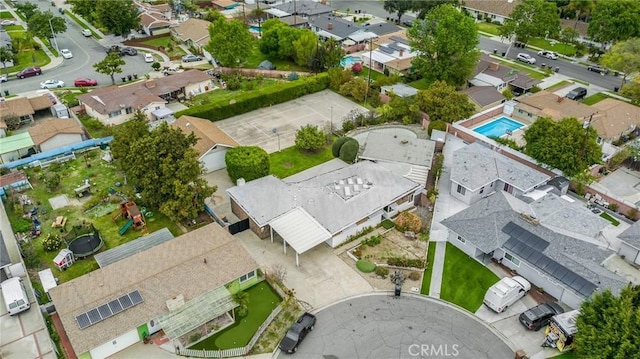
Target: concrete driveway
379, 326
274, 128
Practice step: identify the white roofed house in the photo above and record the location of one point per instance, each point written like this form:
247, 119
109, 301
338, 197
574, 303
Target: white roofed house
395, 56
327, 207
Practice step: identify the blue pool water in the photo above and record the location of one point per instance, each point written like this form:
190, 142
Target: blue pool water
349, 61
255, 29
498, 127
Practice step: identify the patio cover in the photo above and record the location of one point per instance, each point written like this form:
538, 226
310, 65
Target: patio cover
298, 228
362, 36
197, 312
162, 112
16, 142
277, 12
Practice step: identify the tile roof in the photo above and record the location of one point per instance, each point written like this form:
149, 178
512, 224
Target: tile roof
46, 129
547, 104
153, 20
208, 134
193, 29
498, 7
483, 95
475, 166
615, 118
19, 106
190, 265
40, 102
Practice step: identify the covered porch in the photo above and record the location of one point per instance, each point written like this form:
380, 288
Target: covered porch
298, 228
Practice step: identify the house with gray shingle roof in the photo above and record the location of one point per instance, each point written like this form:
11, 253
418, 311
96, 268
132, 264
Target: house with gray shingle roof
478, 171
305, 8
539, 242
178, 286
630, 245
489, 72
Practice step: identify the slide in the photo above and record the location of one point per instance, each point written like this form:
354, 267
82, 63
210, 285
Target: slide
126, 227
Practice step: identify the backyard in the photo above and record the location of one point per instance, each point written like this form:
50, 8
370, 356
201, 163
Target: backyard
290, 161
171, 48
262, 301
464, 280
102, 177
257, 57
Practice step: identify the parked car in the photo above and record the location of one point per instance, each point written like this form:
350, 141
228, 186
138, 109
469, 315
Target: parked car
148, 58
506, 292
577, 94
66, 53
599, 69
7, 22
191, 58
296, 334
128, 51
86, 33
3, 78
114, 48
526, 58
540, 315
548, 54
83, 82
51, 84
28, 72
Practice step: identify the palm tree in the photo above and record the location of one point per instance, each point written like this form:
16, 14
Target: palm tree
581, 7
242, 298
6, 56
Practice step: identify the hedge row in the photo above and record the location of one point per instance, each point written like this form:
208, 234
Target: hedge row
219, 109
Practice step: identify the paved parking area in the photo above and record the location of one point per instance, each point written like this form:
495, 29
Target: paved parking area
274, 127
380, 326
622, 182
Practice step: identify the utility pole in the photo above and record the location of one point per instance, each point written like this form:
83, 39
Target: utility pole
53, 35
366, 94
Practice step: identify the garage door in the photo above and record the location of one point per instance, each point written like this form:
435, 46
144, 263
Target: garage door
116, 345
214, 161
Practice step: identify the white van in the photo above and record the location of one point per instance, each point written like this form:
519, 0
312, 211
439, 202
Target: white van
506, 292
15, 295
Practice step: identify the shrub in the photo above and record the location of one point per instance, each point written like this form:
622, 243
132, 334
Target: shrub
631, 214
408, 222
293, 76
357, 252
535, 89
382, 272
248, 162
335, 147
387, 224
310, 138
356, 68
156, 66
507, 93
52, 180
348, 125
613, 207
52, 242
365, 266
349, 151
372, 241
414, 275
405, 262
337, 77
437, 125
196, 336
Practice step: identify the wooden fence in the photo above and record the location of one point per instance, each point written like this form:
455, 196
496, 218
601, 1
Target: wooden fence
233, 352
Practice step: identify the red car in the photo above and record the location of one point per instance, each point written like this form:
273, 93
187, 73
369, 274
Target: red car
28, 72
82, 82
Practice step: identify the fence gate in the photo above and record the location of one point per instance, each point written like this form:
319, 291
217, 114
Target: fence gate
240, 226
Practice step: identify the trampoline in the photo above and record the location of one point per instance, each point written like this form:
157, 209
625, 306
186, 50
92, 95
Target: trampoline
86, 241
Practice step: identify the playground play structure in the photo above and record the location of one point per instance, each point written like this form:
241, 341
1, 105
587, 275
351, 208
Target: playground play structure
134, 216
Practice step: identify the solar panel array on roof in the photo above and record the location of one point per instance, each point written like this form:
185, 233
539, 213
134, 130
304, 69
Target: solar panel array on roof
396, 47
529, 247
109, 309
400, 40
386, 49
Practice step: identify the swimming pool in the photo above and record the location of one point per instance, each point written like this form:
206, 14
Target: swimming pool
254, 29
498, 127
349, 61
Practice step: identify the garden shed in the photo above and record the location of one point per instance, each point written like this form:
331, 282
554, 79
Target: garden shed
267, 65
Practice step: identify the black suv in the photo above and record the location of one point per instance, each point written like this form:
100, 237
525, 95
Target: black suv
577, 94
122, 50
539, 316
598, 69
297, 332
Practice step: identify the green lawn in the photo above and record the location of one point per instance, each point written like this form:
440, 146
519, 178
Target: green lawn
11, 28
290, 161
609, 218
567, 355
563, 49
488, 28
246, 86
464, 280
257, 57
524, 68
421, 84
262, 301
6, 15
426, 279
165, 41
28, 57
593, 99
557, 85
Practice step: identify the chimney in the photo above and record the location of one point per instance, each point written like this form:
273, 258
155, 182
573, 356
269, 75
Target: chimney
494, 66
401, 53
330, 26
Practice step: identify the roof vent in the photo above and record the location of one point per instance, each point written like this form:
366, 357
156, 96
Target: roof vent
188, 124
330, 26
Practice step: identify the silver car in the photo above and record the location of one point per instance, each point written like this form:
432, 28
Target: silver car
526, 58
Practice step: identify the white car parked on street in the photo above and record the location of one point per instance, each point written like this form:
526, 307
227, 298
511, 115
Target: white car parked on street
526, 58
51, 84
548, 54
148, 57
66, 53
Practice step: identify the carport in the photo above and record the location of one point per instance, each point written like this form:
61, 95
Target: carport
298, 228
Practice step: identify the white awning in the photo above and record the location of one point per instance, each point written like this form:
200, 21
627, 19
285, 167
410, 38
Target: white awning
301, 231
47, 279
277, 12
363, 36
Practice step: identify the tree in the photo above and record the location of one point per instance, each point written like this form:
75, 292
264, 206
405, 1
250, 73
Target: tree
443, 103
117, 16
229, 42
624, 57
84, 8
166, 168
304, 48
356, 88
242, 299
566, 144
212, 15
269, 42
310, 138
631, 90
582, 8
532, 18
27, 9
400, 109
424, 7
349, 150
125, 135
568, 35
445, 43
248, 162
399, 7
337, 144
330, 53
39, 24
614, 20
609, 325
6, 56
111, 65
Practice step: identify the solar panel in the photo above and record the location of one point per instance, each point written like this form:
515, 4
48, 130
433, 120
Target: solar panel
104, 310
115, 306
83, 320
386, 49
126, 302
136, 297
94, 316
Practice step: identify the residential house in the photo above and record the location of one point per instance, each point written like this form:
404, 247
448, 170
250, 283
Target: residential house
114, 105
125, 250
400, 152
478, 171
495, 10
55, 133
489, 72
614, 118
384, 31
192, 33
630, 244
396, 56
155, 19
212, 144
547, 104
114, 307
550, 239
17, 181
305, 8
328, 206
25, 108
484, 97
351, 36
15, 147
